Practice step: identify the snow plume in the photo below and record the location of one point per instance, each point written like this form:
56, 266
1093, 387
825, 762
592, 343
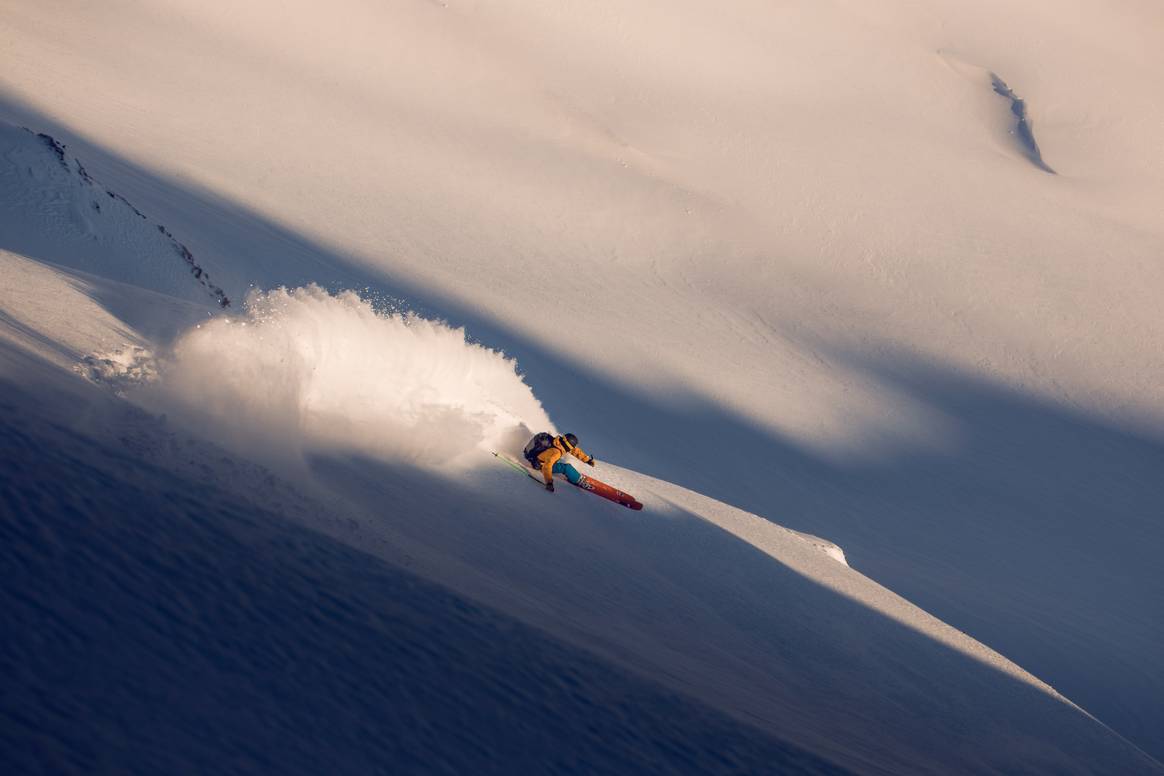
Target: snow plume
307, 370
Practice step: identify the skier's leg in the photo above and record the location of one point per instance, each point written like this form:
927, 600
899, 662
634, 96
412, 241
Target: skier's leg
571, 473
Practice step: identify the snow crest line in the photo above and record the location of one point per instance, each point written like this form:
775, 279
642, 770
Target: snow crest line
87, 196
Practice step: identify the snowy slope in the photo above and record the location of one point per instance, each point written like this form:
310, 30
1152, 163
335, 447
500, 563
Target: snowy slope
796, 258
779, 652
281, 651
157, 623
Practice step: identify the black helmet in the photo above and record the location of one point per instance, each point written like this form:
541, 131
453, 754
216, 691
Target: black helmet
571, 441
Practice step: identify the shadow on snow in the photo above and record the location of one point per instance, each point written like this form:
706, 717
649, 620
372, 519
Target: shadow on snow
1034, 534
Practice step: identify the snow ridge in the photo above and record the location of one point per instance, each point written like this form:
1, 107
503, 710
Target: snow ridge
80, 185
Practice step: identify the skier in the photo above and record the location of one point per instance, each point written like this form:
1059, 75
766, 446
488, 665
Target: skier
545, 452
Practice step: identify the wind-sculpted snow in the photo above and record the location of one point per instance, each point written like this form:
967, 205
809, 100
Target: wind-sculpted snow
307, 370
54, 209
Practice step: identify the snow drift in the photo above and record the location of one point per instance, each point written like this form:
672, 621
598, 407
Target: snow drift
305, 369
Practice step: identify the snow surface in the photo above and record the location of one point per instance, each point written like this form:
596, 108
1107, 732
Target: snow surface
145, 564
796, 258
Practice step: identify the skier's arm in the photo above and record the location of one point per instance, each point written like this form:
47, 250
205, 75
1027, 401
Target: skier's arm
548, 459
581, 455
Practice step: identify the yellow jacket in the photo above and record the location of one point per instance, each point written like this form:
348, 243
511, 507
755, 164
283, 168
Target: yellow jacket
551, 455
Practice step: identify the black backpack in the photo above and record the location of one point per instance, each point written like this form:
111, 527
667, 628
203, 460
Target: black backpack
538, 445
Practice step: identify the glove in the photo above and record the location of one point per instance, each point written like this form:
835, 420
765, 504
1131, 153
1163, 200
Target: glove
550, 487
592, 461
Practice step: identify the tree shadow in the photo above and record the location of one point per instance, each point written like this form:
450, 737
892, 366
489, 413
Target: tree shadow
1034, 531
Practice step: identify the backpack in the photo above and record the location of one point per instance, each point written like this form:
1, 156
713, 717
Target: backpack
538, 445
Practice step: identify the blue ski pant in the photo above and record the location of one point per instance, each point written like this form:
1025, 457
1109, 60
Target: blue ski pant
571, 473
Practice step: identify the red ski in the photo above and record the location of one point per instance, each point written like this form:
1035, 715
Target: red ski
608, 492
597, 487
